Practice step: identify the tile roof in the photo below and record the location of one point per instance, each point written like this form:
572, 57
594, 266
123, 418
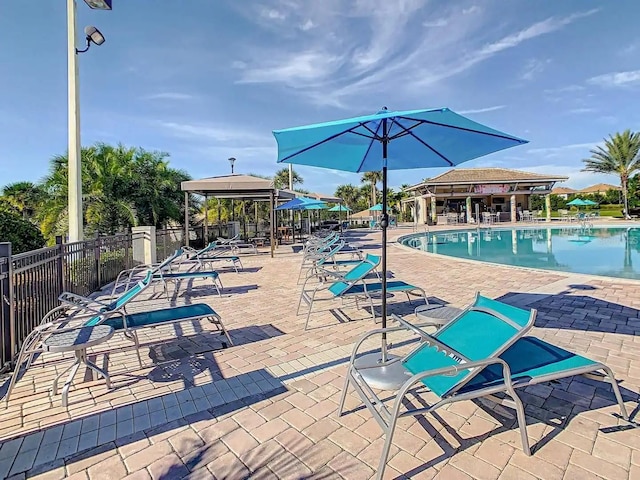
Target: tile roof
599, 187
563, 190
480, 175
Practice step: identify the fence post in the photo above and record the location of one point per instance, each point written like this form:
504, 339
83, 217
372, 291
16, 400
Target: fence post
59, 263
9, 344
127, 263
98, 272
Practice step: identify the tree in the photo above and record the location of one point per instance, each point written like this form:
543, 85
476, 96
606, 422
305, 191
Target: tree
121, 186
281, 178
23, 196
22, 234
348, 193
621, 156
372, 178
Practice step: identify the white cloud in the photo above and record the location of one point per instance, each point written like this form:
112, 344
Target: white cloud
470, 10
482, 110
577, 178
273, 14
582, 110
540, 28
533, 68
305, 67
617, 79
630, 49
567, 89
307, 25
573, 150
352, 54
218, 134
440, 22
169, 96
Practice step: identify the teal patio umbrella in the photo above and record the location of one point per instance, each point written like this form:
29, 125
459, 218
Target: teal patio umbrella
396, 140
309, 205
340, 208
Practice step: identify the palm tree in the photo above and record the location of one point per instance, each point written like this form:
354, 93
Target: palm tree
373, 178
348, 193
281, 178
24, 197
122, 187
620, 155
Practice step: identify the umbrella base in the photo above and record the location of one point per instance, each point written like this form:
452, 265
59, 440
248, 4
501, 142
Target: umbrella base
390, 375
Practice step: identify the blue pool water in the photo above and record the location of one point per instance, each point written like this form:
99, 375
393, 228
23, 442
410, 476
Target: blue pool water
613, 252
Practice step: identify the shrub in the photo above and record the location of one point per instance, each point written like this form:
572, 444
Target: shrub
22, 234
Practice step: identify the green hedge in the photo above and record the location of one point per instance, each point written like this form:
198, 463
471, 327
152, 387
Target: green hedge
22, 234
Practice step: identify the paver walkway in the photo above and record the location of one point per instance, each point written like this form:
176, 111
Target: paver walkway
266, 408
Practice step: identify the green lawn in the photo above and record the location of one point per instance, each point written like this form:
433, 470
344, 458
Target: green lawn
604, 212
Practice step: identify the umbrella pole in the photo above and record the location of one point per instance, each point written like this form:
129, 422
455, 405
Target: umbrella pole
384, 223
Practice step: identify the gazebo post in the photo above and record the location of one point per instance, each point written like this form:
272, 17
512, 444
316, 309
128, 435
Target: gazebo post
206, 220
271, 220
186, 219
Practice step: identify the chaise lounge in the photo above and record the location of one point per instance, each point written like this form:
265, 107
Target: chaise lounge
481, 353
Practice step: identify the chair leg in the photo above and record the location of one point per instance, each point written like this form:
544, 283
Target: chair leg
218, 321
343, 396
384, 455
616, 390
522, 422
306, 324
133, 336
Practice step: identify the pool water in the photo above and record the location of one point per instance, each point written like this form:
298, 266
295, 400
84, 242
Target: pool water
613, 252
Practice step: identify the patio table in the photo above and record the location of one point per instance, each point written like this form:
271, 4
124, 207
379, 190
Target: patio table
77, 340
437, 314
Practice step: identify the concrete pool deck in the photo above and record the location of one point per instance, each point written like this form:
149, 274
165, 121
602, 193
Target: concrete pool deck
266, 408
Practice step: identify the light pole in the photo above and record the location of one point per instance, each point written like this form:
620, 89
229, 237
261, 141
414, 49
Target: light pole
93, 35
233, 213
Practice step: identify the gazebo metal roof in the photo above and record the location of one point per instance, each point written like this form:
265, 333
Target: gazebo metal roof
238, 187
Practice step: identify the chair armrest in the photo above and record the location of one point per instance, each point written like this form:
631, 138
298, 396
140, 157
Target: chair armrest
76, 300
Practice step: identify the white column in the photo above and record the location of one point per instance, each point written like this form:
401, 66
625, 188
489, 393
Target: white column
144, 245
547, 206
74, 166
514, 217
468, 215
434, 213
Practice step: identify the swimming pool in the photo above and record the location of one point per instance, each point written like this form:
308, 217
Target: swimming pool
610, 251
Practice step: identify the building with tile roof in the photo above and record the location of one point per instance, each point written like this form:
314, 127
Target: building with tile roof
499, 191
599, 188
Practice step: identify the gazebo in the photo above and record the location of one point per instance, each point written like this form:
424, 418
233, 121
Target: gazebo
236, 187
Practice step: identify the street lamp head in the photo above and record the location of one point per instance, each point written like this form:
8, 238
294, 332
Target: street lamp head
93, 35
232, 160
99, 4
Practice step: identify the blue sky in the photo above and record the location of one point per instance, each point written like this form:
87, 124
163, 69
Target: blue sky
205, 80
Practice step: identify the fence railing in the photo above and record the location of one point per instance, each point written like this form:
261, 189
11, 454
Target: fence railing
31, 282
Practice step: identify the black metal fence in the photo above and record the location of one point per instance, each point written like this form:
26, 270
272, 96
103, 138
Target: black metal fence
31, 282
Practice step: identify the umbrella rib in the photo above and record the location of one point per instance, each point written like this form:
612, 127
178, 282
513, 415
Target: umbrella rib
375, 137
328, 139
409, 132
506, 137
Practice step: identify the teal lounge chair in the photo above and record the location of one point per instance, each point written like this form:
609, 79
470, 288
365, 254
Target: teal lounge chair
115, 315
214, 252
327, 259
125, 277
352, 286
481, 353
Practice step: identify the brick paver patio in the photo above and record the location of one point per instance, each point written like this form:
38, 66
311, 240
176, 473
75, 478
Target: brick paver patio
266, 407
